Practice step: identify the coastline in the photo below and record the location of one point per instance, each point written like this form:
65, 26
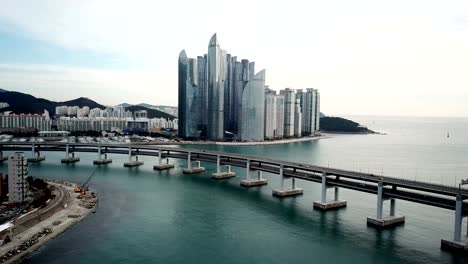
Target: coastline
72, 213
241, 143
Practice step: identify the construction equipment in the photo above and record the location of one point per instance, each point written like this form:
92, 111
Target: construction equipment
84, 187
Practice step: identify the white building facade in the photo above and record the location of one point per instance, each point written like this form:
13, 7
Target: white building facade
18, 189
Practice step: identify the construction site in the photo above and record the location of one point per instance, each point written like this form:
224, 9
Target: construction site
35, 225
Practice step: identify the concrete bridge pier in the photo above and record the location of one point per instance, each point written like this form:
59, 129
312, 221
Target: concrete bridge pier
248, 182
323, 204
2, 158
100, 160
459, 242
285, 192
380, 220
36, 155
222, 174
131, 162
69, 159
190, 169
160, 165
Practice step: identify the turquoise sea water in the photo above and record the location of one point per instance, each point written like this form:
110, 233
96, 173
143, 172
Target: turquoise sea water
167, 217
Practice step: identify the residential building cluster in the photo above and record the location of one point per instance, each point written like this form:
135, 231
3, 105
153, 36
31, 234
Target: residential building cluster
35, 121
83, 119
222, 98
114, 120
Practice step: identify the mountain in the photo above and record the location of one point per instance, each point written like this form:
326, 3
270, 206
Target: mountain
148, 105
152, 113
21, 103
3, 90
123, 105
28, 104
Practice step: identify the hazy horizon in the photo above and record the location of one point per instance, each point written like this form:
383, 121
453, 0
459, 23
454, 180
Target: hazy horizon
399, 58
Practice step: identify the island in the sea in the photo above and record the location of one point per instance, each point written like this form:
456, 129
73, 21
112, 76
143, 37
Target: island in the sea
331, 124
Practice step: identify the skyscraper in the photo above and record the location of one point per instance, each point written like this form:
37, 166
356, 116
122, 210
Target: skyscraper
274, 115
216, 77
217, 94
289, 110
188, 117
298, 118
253, 109
311, 112
202, 105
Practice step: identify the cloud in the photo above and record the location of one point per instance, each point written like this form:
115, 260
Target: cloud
106, 86
353, 51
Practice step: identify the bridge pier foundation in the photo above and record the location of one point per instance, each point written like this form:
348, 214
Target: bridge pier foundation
459, 242
100, 160
131, 162
190, 169
325, 205
222, 174
36, 155
248, 182
286, 192
160, 165
381, 221
67, 158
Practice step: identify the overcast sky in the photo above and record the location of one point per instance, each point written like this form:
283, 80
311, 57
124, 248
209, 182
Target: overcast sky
366, 57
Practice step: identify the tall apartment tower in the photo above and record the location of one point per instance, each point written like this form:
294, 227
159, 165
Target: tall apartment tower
274, 115
216, 73
188, 97
202, 106
289, 110
298, 117
311, 112
220, 96
18, 189
253, 109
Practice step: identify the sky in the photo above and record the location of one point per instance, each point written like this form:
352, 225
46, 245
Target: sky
403, 58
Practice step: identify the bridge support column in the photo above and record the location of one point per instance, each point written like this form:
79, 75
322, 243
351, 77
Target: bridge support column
458, 243
325, 205
36, 155
381, 221
293, 191
222, 174
100, 160
2, 158
190, 169
160, 165
131, 162
67, 158
248, 182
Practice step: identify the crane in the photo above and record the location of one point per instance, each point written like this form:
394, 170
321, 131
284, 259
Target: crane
82, 189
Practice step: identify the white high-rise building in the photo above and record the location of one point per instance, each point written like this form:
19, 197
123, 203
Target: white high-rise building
39, 122
274, 115
18, 189
289, 110
298, 118
72, 110
61, 110
310, 112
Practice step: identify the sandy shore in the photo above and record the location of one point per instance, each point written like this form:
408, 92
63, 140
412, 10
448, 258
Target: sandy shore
56, 224
241, 143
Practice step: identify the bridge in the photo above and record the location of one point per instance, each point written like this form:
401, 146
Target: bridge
384, 187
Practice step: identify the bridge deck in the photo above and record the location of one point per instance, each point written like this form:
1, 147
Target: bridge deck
415, 191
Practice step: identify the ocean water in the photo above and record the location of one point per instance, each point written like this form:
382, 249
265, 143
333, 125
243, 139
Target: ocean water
146, 216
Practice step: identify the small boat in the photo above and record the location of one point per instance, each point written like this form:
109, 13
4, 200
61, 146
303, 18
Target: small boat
448, 135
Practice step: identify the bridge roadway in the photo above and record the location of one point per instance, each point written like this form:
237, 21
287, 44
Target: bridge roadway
431, 194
